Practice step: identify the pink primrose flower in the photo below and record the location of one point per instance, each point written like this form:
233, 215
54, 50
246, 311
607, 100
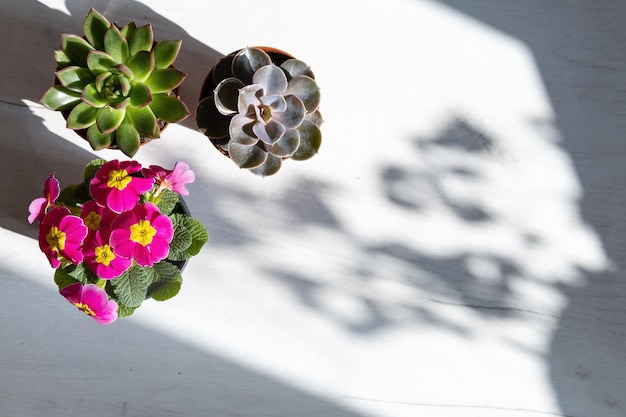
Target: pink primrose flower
173, 180
113, 185
61, 236
91, 300
142, 234
96, 217
39, 206
99, 256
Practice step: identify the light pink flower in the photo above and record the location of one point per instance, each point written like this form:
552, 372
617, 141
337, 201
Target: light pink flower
92, 301
115, 187
173, 180
39, 206
143, 234
61, 236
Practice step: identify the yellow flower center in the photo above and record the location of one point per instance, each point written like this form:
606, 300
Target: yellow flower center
119, 178
56, 239
92, 220
142, 232
104, 255
85, 309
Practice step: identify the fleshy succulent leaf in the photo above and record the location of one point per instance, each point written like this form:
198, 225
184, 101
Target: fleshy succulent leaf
269, 133
227, 94
249, 98
63, 59
99, 61
140, 95
141, 64
269, 167
310, 141
169, 108
58, 97
82, 116
247, 62
141, 39
287, 145
109, 119
127, 138
95, 26
128, 30
295, 67
241, 130
165, 80
246, 156
97, 139
92, 96
306, 89
116, 45
293, 114
210, 121
144, 121
77, 48
75, 78
165, 53
271, 78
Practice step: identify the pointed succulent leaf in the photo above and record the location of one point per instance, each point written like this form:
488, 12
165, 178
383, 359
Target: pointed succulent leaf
99, 62
63, 59
97, 139
128, 30
227, 94
109, 119
95, 26
77, 48
74, 78
82, 116
125, 86
275, 103
293, 114
101, 80
141, 39
140, 95
270, 167
116, 45
58, 97
223, 69
121, 69
165, 53
295, 67
210, 121
127, 138
144, 120
141, 64
287, 145
246, 156
165, 80
310, 141
169, 108
269, 133
241, 130
307, 90
122, 104
271, 78
247, 62
92, 96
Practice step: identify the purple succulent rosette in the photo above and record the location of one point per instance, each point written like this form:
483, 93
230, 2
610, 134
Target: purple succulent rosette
260, 113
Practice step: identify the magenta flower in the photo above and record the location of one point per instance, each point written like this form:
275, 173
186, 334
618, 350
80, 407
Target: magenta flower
92, 301
113, 185
96, 217
39, 206
99, 256
174, 180
142, 234
61, 236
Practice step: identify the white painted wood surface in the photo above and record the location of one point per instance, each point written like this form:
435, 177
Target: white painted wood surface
456, 249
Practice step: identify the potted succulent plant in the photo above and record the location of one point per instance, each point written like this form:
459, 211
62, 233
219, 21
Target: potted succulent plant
119, 236
259, 106
116, 86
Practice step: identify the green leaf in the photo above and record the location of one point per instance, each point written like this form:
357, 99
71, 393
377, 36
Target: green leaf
92, 96
95, 26
168, 201
127, 138
77, 48
62, 278
97, 139
91, 168
169, 108
165, 53
129, 29
116, 45
167, 281
75, 78
165, 80
60, 98
63, 59
82, 116
99, 62
140, 95
125, 311
74, 195
109, 119
190, 236
132, 286
144, 121
140, 40
310, 141
199, 236
141, 64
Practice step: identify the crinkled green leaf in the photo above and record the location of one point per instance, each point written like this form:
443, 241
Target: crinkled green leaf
116, 45
77, 48
60, 98
165, 80
169, 108
127, 138
82, 116
109, 119
141, 64
140, 95
75, 78
144, 121
132, 286
310, 141
165, 53
97, 139
95, 26
125, 311
182, 239
99, 62
62, 278
140, 40
168, 201
91, 168
199, 236
270, 167
92, 96
166, 281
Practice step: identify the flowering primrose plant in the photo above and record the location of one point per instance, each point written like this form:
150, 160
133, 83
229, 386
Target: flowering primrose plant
119, 237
